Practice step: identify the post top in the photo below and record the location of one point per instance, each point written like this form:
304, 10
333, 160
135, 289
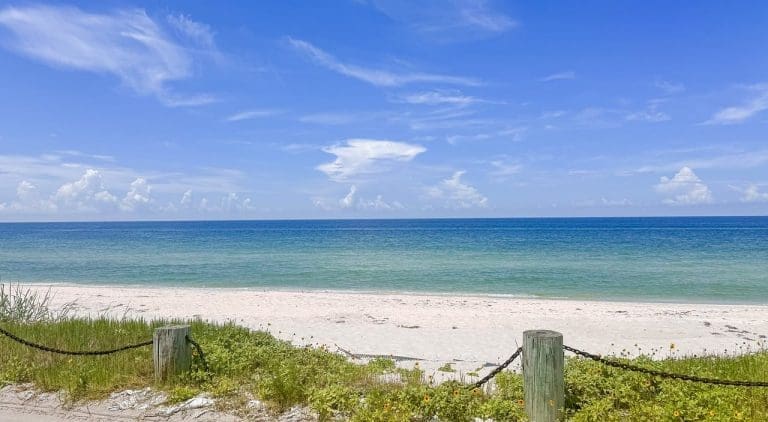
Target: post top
541, 333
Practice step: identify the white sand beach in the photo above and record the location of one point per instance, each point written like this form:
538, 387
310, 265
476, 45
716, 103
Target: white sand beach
471, 331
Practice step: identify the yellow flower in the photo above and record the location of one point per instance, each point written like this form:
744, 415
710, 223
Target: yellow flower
521, 402
426, 398
455, 393
711, 413
676, 413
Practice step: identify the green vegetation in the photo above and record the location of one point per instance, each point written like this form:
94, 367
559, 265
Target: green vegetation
244, 362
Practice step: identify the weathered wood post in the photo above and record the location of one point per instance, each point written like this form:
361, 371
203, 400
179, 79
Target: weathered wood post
543, 382
171, 352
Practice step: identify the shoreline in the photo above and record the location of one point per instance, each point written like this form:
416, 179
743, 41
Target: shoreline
618, 300
471, 332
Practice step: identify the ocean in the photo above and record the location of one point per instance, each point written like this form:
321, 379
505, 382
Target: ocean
682, 259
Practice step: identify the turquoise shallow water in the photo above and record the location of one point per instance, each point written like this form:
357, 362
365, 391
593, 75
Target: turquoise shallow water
692, 259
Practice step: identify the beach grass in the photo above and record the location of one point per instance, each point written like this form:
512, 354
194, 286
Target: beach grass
244, 364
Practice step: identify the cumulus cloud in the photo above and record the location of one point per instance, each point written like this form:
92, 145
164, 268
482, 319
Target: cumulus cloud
232, 202
28, 200
86, 194
349, 199
127, 44
741, 113
752, 194
457, 193
684, 188
379, 204
372, 76
186, 199
364, 156
138, 195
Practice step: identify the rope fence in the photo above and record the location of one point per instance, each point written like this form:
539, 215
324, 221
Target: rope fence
542, 354
662, 374
169, 358
626, 366
70, 352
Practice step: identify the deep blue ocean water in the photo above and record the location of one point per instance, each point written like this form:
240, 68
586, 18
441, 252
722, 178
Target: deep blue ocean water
691, 259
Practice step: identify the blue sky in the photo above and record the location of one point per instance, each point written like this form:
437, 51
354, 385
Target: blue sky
117, 110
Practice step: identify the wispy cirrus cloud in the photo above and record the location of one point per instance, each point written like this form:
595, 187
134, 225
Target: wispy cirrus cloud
196, 31
252, 114
126, 43
456, 20
372, 76
560, 76
738, 160
364, 156
741, 113
439, 97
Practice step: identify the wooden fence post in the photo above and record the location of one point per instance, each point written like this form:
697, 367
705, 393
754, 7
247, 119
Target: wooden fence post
171, 352
543, 383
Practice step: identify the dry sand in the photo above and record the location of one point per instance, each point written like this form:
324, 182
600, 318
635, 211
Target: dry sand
470, 331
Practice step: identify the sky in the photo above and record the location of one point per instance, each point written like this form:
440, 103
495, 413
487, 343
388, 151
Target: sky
165, 110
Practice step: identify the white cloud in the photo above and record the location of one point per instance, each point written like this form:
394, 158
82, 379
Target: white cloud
458, 194
502, 169
363, 156
233, 203
379, 204
186, 199
28, 200
559, 76
741, 160
138, 195
458, 20
616, 202
684, 188
126, 43
752, 194
453, 98
351, 202
86, 194
374, 76
196, 31
651, 114
331, 118
251, 114
740, 113
477, 14
349, 199
510, 134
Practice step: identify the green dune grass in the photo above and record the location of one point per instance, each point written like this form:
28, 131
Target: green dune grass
245, 363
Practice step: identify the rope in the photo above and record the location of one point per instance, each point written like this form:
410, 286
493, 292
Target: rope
498, 369
199, 352
669, 375
70, 352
